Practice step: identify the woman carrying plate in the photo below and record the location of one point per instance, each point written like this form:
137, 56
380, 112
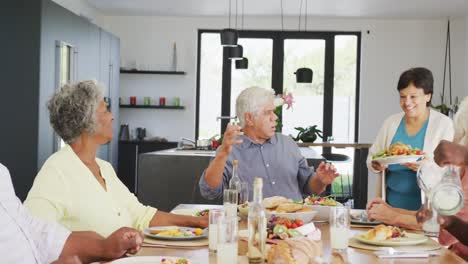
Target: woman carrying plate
417, 126
79, 190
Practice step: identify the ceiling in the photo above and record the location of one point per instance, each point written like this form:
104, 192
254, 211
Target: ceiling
321, 8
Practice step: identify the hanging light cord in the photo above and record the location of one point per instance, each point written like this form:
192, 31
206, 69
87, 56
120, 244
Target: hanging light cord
305, 23
229, 14
242, 14
236, 14
300, 14
282, 24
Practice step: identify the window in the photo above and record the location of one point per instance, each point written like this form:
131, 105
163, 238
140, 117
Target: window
330, 102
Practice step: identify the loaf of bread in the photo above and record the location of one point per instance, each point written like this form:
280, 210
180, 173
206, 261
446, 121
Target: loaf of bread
379, 233
297, 250
274, 201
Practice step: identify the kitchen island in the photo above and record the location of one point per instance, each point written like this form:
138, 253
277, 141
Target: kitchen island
170, 177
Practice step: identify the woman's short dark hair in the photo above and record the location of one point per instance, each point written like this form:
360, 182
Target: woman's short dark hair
420, 77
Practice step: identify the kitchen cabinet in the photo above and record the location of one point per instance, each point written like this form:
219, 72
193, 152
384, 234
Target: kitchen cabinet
128, 159
34, 31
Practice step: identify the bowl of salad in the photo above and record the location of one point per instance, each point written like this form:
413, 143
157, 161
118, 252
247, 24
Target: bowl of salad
322, 205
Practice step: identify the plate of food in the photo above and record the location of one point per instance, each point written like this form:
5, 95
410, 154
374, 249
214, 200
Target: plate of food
192, 212
321, 205
390, 236
283, 207
153, 260
175, 233
359, 217
398, 153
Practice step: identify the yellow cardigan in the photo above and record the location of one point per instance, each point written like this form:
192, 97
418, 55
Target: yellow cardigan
66, 191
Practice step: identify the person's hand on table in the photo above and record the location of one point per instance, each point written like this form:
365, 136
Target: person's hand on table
378, 209
326, 173
203, 221
377, 166
230, 138
124, 240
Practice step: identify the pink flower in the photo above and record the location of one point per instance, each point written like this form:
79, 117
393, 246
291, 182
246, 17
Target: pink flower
288, 99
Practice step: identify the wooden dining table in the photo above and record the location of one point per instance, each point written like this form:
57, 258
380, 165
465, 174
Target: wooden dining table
352, 255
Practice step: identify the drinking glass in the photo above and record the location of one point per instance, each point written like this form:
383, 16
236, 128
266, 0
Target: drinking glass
230, 202
244, 192
215, 216
339, 228
448, 197
227, 240
431, 226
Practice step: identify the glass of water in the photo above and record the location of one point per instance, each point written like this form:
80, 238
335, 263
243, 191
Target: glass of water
226, 251
215, 216
230, 199
339, 228
431, 226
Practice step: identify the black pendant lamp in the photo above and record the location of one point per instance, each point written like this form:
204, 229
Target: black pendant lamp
236, 53
242, 63
229, 35
304, 75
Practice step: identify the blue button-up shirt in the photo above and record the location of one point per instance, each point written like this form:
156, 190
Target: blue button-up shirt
278, 162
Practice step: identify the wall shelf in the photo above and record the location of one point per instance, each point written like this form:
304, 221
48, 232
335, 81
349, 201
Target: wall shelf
152, 72
154, 106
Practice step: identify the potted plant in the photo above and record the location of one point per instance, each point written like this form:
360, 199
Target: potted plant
308, 134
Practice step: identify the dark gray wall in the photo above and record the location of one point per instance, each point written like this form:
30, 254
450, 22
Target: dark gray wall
19, 89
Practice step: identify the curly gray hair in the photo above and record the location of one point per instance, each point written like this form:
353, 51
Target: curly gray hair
72, 109
252, 100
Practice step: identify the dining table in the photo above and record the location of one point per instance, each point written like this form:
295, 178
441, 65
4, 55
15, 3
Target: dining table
202, 255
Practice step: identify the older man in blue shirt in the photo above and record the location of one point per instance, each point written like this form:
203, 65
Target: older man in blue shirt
262, 152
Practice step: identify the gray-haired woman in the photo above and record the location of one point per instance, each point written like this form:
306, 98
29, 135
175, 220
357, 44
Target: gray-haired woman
79, 190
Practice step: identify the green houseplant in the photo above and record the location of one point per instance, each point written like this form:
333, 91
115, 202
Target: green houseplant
308, 134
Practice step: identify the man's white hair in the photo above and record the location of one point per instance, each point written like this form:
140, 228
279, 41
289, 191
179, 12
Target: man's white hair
461, 123
252, 100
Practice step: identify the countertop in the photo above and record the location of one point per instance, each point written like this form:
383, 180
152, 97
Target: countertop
307, 152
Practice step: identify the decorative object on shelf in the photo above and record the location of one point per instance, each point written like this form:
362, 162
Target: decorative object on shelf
447, 109
243, 63
147, 100
176, 101
153, 106
174, 57
229, 35
280, 100
162, 101
303, 74
122, 70
308, 134
132, 100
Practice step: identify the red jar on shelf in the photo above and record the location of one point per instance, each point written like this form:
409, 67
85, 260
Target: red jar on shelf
162, 101
132, 100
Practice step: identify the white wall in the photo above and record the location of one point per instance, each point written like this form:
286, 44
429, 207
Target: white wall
391, 47
82, 8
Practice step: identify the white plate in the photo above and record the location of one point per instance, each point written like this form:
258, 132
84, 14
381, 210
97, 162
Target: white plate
306, 217
148, 260
191, 212
410, 239
146, 231
398, 159
323, 211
